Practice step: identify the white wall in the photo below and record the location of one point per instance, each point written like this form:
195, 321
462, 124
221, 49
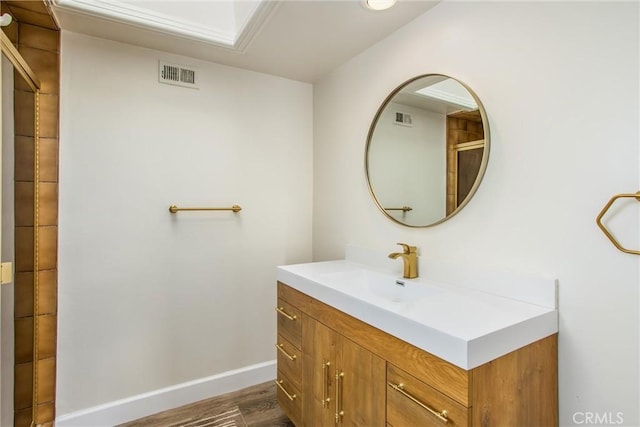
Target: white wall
559, 81
148, 299
408, 165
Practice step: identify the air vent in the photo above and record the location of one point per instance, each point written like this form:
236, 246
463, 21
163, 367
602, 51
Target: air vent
403, 119
177, 75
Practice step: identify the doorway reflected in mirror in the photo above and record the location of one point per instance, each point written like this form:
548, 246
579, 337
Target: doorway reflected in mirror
427, 150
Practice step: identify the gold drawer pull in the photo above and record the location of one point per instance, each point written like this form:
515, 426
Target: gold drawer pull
285, 314
442, 416
325, 384
339, 407
289, 356
290, 396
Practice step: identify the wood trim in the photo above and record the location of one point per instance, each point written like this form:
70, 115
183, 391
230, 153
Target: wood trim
19, 63
451, 380
471, 145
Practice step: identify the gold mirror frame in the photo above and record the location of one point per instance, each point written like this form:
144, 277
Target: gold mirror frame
21, 66
483, 163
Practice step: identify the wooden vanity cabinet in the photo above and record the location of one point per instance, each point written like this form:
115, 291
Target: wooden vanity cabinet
289, 359
382, 380
344, 381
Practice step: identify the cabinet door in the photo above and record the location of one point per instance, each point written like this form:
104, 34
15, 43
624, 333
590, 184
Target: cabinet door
318, 352
360, 389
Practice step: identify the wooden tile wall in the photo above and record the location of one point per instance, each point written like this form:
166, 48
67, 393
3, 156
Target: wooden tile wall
461, 127
37, 37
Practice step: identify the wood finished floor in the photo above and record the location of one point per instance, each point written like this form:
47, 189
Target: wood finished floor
257, 404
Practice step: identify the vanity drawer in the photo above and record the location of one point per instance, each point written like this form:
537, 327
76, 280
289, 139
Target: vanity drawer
289, 360
410, 402
289, 399
289, 322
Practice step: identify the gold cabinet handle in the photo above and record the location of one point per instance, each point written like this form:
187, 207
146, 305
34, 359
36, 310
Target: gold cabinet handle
290, 396
325, 384
607, 232
442, 415
339, 410
285, 314
291, 357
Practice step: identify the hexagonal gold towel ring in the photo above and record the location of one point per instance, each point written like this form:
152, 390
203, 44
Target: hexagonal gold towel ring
604, 229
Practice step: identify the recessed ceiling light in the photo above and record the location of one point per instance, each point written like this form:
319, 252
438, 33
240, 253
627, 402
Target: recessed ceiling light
379, 4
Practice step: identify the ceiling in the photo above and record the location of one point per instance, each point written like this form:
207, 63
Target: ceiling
296, 39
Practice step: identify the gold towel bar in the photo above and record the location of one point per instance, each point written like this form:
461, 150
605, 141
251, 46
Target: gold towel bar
607, 232
403, 209
174, 209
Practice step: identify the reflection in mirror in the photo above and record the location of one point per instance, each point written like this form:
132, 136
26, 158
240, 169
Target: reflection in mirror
427, 150
7, 241
19, 242
18, 126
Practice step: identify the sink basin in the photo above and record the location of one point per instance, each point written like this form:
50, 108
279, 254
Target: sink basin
370, 284
465, 325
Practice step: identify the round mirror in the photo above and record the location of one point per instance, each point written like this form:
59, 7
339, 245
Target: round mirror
427, 150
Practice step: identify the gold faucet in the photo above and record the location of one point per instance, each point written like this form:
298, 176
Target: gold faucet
410, 260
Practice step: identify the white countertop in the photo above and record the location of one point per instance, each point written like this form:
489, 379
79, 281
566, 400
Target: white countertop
465, 326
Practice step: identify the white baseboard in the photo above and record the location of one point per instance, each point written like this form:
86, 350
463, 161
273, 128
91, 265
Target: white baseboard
131, 408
